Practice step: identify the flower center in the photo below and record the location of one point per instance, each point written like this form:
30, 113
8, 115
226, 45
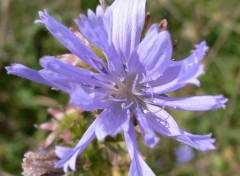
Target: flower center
129, 91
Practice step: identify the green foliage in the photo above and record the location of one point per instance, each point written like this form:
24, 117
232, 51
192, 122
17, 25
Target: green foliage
23, 103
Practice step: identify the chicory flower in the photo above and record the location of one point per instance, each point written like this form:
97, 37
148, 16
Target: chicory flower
129, 85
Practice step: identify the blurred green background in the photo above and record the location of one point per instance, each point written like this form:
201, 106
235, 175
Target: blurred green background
24, 103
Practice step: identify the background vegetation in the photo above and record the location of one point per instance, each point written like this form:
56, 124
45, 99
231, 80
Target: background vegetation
24, 103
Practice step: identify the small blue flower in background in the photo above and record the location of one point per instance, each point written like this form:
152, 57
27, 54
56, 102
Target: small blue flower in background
183, 154
131, 86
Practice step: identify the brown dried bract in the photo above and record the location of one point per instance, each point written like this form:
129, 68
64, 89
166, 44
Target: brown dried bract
40, 164
148, 21
80, 36
70, 58
163, 25
103, 4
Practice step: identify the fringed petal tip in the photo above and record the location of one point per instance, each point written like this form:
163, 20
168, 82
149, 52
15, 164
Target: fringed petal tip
210, 141
43, 16
14, 68
194, 80
9, 69
202, 143
67, 158
221, 101
202, 46
209, 146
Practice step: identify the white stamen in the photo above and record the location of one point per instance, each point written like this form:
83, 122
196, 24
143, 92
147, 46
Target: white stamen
145, 111
134, 83
146, 85
116, 99
123, 105
122, 79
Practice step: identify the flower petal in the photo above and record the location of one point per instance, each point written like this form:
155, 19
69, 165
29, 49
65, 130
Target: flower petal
128, 21
138, 166
68, 155
93, 29
149, 135
199, 142
181, 73
59, 81
198, 103
112, 121
75, 73
97, 29
164, 124
70, 41
87, 101
25, 72
155, 52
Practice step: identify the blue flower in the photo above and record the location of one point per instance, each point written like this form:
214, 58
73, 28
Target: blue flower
183, 154
131, 85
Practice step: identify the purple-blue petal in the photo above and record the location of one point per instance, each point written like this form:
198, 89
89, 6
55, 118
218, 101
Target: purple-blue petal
164, 124
198, 103
97, 29
149, 135
181, 73
92, 27
86, 100
25, 72
138, 166
112, 121
155, 52
199, 142
70, 40
74, 73
128, 22
59, 81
